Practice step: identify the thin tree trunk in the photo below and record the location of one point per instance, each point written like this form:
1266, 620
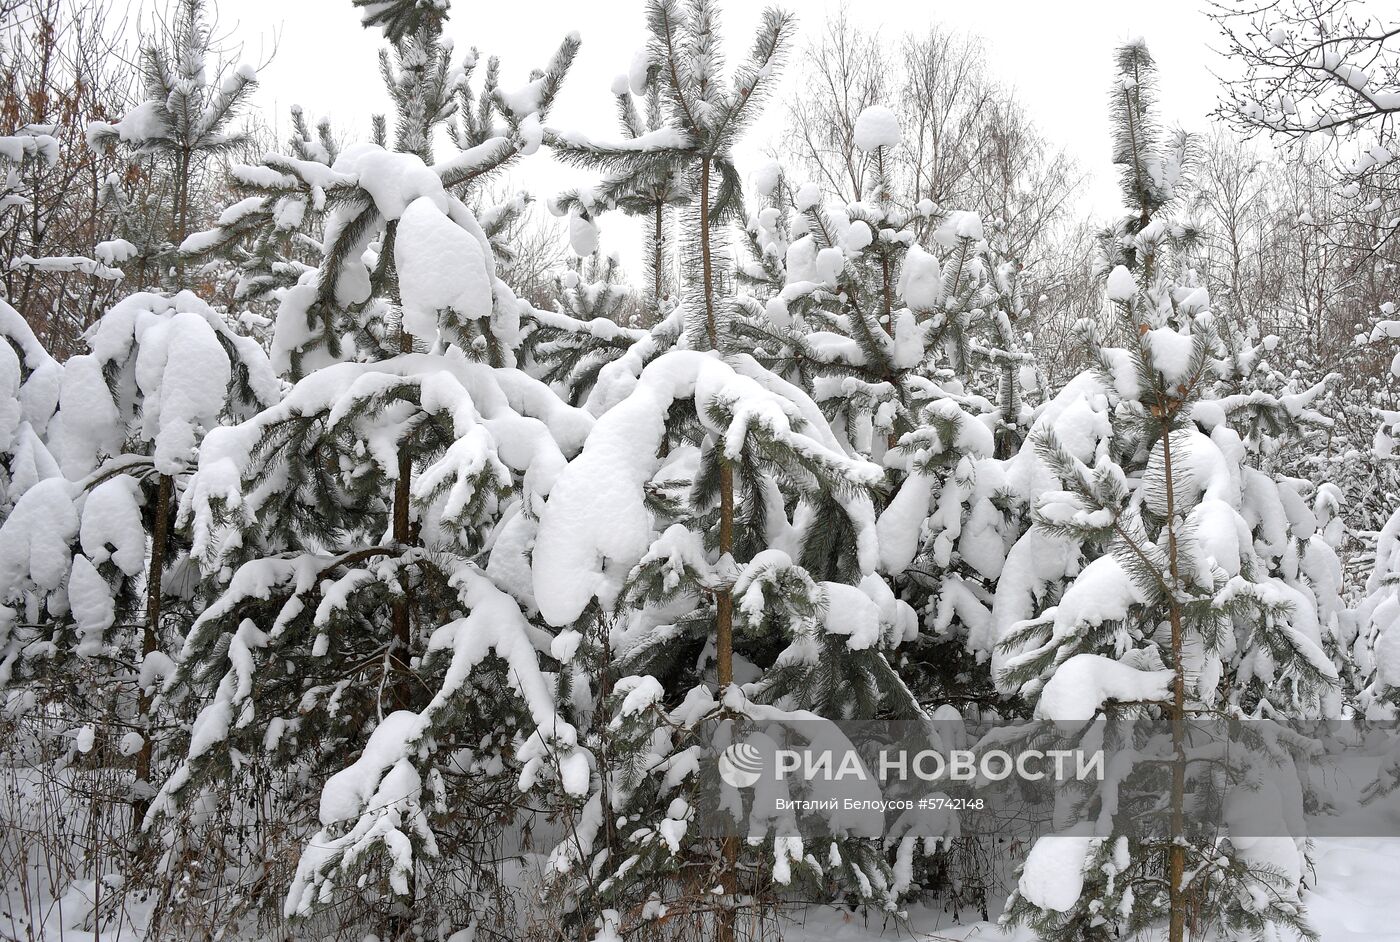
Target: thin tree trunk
706, 260
182, 217
1176, 852
724, 675
400, 921
150, 636
657, 265
724, 601
401, 692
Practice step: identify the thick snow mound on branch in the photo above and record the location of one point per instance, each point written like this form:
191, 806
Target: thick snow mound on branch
1171, 352
160, 369
1121, 286
1053, 875
346, 793
112, 528
920, 280
441, 266
393, 180
959, 225
1083, 684
875, 128
184, 373
35, 540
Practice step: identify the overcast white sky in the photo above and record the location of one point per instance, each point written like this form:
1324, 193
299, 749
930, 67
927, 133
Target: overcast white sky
1057, 55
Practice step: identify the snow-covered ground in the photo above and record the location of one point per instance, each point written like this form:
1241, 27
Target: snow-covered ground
1355, 893
1354, 896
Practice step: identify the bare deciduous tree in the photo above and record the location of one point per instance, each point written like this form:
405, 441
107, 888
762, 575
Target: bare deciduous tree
968, 142
59, 68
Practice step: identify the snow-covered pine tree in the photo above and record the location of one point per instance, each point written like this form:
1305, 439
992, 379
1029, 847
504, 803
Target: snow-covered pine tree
651, 197
911, 352
593, 324
704, 117
594, 361
1151, 162
29, 387
685, 155
1161, 576
272, 242
349, 529
649, 175
91, 555
709, 556
124, 403
594, 286
186, 118
1378, 653
628, 562
336, 310
1377, 618
1161, 579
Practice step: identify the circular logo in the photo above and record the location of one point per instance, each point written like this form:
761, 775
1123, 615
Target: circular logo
740, 765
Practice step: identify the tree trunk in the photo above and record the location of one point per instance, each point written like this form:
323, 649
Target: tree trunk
724, 601
182, 224
150, 636
1176, 852
401, 691
707, 273
724, 676
657, 264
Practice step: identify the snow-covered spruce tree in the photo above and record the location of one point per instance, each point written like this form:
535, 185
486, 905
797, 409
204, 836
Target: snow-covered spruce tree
349, 529
1166, 576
